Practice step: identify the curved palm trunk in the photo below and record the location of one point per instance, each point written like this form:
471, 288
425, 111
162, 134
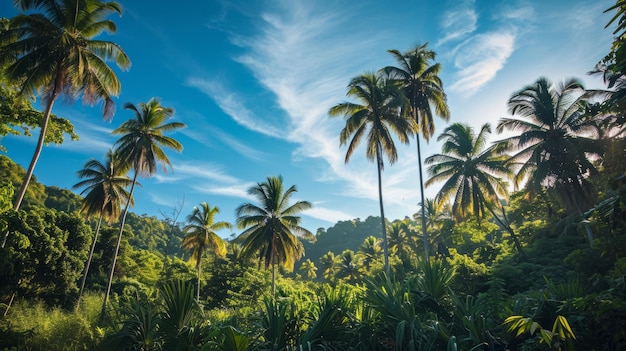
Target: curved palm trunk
38, 148
93, 247
33, 162
508, 228
117, 246
382, 210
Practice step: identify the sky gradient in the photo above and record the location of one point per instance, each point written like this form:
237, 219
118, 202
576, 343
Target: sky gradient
253, 81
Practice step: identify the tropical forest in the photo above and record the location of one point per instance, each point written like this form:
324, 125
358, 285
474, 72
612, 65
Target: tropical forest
523, 247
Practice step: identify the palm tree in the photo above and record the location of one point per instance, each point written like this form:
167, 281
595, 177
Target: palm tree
552, 142
105, 189
375, 117
309, 268
330, 265
140, 147
423, 89
472, 174
349, 266
200, 236
369, 251
53, 54
272, 228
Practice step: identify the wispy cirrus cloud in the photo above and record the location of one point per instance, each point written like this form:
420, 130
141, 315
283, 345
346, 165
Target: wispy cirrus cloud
479, 59
458, 23
327, 214
233, 105
202, 171
239, 190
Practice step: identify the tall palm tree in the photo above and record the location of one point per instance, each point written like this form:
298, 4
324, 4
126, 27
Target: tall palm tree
105, 189
472, 175
272, 228
375, 116
423, 89
140, 147
200, 236
55, 56
553, 141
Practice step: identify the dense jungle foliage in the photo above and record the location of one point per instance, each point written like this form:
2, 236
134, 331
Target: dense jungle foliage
477, 268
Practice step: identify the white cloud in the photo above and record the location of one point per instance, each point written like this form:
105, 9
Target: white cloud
233, 105
203, 171
328, 215
479, 59
237, 190
458, 23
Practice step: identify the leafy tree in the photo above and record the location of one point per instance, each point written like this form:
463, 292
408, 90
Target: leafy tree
53, 52
423, 88
43, 256
105, 189
14, 173
271, 229
375, 117
472, 174
140, 147
201, 235
553, 147
62, 199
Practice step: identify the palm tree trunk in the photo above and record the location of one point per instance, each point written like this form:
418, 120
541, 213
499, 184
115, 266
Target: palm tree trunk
117, 246
382, 210
508, 228
198, 287
421, 181
38, 148
273, 279
33, 162
93, 247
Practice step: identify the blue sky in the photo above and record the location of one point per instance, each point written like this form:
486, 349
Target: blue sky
253, 81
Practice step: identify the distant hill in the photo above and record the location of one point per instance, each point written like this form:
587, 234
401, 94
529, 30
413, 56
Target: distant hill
343, 235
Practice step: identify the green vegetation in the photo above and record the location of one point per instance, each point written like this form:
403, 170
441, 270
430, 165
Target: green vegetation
477, 268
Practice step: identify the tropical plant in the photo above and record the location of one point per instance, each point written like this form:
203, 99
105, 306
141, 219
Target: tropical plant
52, 53
201, 235
329, 264
375, 116
308, 267
349, 267
472, 174
369, 251
553, 142
272, 228
140, 147
423, 89
105, 189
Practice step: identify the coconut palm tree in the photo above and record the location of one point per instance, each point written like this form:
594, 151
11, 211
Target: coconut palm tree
105, 189
369, 251
472, 175
272, 228
53, 53
330, 265
553, 141
200, 236
375, 116
140, 147
424, 91
309, 268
